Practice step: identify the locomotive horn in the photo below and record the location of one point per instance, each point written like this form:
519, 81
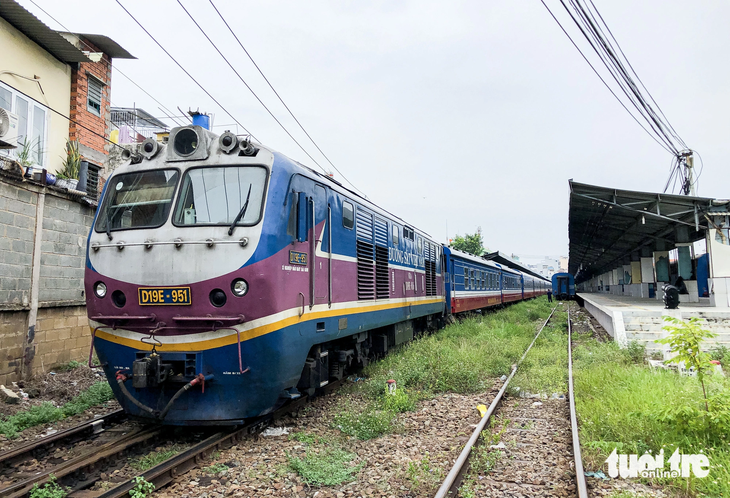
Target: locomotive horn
247, 148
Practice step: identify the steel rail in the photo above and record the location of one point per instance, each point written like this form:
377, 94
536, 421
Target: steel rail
92, 426
447, 486
86, 460
165, 472
580, 477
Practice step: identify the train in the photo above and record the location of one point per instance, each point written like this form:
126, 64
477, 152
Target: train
223, 279
563, 285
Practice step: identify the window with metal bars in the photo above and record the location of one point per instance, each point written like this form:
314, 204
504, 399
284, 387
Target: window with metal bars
93, 102
92, 181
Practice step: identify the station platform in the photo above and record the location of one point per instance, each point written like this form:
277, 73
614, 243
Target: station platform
628, 319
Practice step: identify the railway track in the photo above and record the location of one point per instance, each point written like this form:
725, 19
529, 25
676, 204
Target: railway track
543, 445
80, 470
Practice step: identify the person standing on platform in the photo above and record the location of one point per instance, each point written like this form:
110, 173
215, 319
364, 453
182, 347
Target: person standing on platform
550, 295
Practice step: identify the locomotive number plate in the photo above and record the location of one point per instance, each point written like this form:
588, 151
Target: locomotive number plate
164, 295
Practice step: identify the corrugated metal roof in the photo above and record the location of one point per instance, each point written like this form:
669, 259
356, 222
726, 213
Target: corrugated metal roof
505, 260
33, 28
106, 45
606, 225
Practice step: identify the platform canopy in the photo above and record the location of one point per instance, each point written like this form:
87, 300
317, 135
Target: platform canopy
607, 226
505, 260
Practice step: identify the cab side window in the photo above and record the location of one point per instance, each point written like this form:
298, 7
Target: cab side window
348, 215
395, 236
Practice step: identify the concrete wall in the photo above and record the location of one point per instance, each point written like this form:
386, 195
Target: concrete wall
23, 56
42, 313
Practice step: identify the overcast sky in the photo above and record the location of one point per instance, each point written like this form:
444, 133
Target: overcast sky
448, 114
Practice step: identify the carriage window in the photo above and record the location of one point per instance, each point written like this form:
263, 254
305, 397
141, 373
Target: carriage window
483, 280
137, 200
221, 195
348, 215
466, 278
395, 235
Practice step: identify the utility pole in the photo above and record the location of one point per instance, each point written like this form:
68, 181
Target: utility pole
689, 187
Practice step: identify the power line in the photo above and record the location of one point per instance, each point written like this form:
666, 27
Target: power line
184, 70
92, 48
607, 54
602, 80
247, 86
279, 96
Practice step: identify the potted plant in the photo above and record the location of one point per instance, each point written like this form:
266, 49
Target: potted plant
69, 174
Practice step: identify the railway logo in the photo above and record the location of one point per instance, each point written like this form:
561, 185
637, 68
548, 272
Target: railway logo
405, 258
648, 465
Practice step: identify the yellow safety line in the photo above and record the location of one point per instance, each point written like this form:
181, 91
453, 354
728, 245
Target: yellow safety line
256, 331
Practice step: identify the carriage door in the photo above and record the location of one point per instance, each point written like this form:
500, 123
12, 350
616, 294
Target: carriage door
320, 268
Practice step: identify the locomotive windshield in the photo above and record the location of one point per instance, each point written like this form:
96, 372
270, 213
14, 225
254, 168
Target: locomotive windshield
137, 200
216, 196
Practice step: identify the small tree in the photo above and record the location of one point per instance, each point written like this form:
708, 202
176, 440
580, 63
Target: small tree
473, 244
685, 338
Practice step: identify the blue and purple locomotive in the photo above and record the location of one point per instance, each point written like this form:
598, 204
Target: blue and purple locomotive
223, 279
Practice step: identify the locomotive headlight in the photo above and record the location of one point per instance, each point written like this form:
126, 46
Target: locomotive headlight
239, 287
100, 289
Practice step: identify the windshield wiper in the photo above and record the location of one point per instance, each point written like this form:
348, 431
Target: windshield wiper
241, 212
108, 224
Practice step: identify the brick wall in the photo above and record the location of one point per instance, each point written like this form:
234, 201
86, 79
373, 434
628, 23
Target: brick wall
99, 125
12, 336
61, 335
61, 330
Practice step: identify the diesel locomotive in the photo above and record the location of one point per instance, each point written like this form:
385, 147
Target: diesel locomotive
223, 279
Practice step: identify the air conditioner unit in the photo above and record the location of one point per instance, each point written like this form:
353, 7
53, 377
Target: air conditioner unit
8, 130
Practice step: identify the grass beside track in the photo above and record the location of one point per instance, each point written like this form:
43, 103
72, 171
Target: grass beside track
463, 358
47, 412
620, 404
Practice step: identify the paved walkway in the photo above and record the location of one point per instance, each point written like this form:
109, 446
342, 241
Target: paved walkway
640, 303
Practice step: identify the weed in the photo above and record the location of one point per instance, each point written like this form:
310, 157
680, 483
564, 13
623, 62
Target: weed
367, 423
484, 459
303, 437
635, 351
49, 490
67, 367
721, 354
398, 402
216, 468
141, 488
622, 406
423, 476
152, 459
326, 467
46, 412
